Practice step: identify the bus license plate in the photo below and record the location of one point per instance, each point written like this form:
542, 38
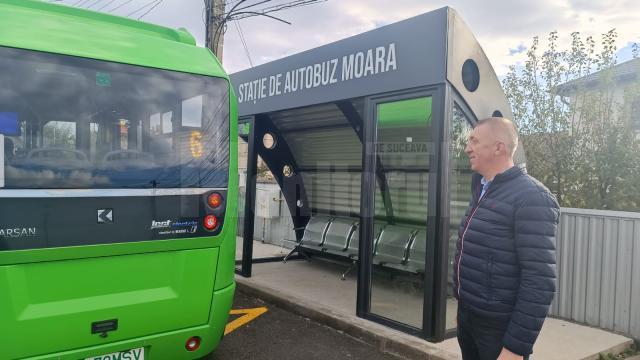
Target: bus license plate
133, 354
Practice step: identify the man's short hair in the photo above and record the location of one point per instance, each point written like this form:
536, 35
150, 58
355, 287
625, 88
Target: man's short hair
505, 130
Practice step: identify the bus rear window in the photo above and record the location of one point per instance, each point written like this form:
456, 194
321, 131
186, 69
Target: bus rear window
78, 123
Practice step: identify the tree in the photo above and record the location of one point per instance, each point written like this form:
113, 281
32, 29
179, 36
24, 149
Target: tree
59, 133
576, 124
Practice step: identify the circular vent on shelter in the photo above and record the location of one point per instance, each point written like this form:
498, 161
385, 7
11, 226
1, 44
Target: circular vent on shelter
470, 75
269, 141
287, 171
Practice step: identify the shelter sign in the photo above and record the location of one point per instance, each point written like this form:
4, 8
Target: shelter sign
404, 55
371, 62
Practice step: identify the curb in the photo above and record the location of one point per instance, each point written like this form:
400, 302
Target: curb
384, 339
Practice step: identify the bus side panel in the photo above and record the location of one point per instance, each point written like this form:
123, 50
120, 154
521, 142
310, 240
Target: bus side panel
170, 345
52, 305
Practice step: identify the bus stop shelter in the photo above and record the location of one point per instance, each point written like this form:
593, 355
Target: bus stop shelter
365, 138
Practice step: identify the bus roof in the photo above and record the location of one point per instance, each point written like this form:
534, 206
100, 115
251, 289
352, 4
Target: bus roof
41, 26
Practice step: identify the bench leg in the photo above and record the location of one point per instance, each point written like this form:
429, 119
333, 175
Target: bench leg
295, 249
284, 260
344, 275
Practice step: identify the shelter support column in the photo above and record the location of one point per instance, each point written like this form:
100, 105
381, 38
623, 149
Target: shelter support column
250, 201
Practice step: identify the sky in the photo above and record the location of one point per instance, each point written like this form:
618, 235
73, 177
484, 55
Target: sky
504, 28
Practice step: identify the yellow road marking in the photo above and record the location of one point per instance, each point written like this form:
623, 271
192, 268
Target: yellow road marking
248, 316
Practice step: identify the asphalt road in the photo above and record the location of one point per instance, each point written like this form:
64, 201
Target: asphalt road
279, 335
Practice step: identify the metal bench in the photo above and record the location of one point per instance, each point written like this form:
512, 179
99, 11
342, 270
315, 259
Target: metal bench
393, 245
338, 234
314, 235
417, 252
354, 241
402, 247
315, 231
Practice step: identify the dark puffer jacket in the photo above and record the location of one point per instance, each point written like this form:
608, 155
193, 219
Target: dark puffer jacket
505, 264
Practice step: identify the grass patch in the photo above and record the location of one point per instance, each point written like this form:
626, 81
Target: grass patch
632, 351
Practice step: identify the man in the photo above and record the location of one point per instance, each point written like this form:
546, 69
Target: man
504, 273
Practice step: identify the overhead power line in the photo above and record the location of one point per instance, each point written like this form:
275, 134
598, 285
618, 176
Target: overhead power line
244, 42
105, 5
240, 9
96, 2
119, 6
148, 4
150, 10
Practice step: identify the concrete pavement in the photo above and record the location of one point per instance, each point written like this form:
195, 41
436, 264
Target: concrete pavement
282, 335
314, 290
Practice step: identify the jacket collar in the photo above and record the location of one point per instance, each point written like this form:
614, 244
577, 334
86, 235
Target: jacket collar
511, 173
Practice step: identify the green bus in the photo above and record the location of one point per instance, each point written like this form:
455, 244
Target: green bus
118, 188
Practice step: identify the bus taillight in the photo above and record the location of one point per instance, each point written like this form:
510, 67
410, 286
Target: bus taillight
214, 200
210, 222
193, 343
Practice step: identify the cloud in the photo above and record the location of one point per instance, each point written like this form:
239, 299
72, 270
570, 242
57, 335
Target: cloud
497, 25
518, 50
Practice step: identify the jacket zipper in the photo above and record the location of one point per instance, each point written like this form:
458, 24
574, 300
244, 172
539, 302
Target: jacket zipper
466, 227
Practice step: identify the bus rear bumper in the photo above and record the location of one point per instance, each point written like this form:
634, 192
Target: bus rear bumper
167, 345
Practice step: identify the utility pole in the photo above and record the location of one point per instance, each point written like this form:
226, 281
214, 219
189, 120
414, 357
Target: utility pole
214, 21
217, 18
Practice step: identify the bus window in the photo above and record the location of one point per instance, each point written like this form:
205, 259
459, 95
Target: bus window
121, 126
192, 112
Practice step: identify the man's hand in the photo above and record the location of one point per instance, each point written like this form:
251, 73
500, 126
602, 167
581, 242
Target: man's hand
508, 355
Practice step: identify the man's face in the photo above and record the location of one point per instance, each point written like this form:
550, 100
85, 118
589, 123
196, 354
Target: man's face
481, 149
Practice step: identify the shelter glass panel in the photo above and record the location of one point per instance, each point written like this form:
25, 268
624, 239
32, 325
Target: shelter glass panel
243, 154
327, 147
333, 192
459, 196
273, 234
404, 146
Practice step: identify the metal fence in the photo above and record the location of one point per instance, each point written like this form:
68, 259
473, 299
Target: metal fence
598, 256
272, 222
